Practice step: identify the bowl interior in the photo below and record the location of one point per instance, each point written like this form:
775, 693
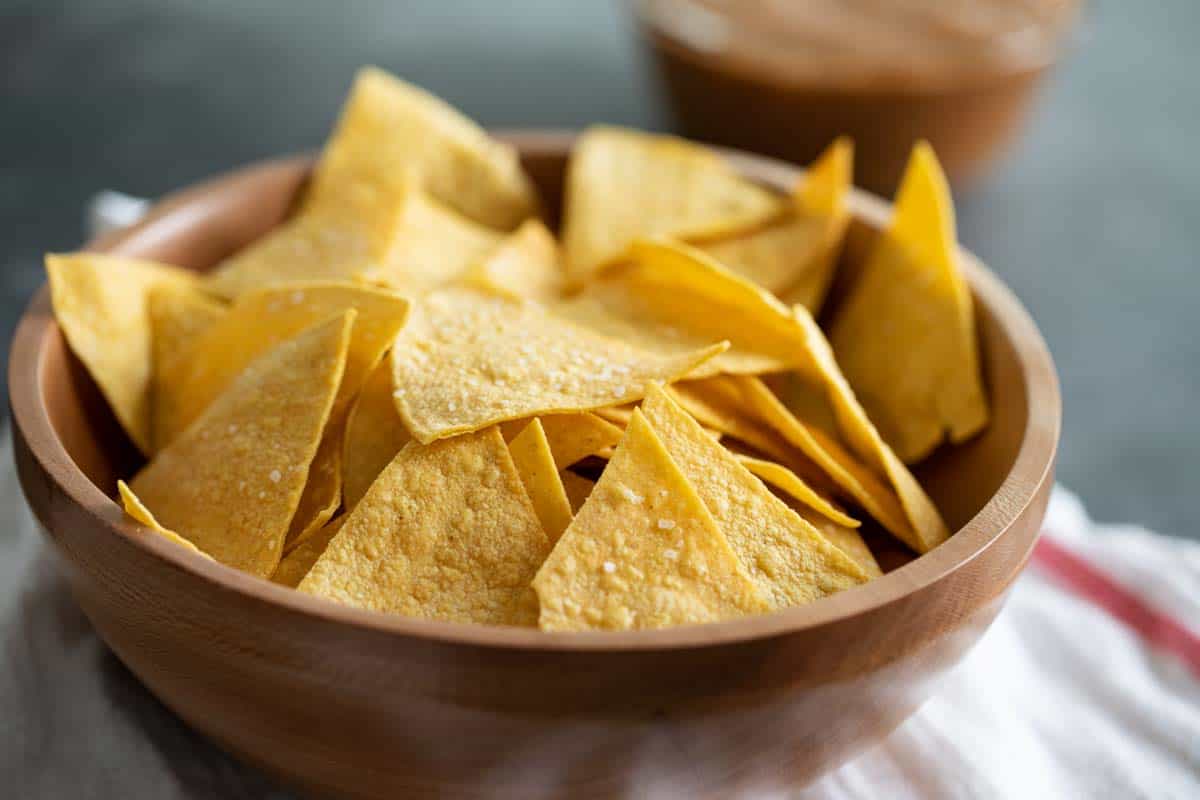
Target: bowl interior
200, 226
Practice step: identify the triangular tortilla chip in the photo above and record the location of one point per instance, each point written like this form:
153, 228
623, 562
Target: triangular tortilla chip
390, 130
643, 552
467, 359
905, 334
526, 264
624, 184
374, 434
100, 303
231, 482
717, 405
671, 298
788, 560
577, 487
179, 313
617, 415
409, 242
256, 323
322, 495
535, 464
431, 246
855, 478
297, 563
784, 479
847, 539
333, 246
572, 437
926, 529
795, 258
136, 509
445, 532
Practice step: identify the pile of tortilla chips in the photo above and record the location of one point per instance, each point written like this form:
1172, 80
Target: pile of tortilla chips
412, 397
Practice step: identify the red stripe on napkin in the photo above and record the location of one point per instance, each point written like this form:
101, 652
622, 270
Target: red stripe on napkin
1159, 629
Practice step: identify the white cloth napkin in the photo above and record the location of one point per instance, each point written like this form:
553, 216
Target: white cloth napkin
1086, 686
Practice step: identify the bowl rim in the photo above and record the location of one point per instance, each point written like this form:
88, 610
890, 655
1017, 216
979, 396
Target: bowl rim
1030, 471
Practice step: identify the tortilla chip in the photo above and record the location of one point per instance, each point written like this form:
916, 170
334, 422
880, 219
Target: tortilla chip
671, 298
577, 487
622, 185
100, 303
430, 247
322, 495
535, 464
526, 264
853, 477
905, 334
617, 415
925, 529
374, 434
572, 437
390, 130
788, 560
796, 257
712, 404
468, 359
231, 482
333, 246
643, 552
257, 322
844, 538
179, 313
297, 563
136, 509
784, 479
445, 532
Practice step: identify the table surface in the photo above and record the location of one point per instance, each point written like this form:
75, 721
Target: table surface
1093, 219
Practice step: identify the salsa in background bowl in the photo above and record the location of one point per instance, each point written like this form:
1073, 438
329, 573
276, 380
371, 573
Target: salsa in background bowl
786, 78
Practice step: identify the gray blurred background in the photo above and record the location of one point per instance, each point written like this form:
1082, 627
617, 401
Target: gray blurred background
1093, 219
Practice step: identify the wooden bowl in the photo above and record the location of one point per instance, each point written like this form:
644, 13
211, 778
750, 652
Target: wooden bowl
350, 702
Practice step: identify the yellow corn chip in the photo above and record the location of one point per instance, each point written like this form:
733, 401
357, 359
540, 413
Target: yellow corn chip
844, 538
409, 242
905, 334
784, 479
671, 298
100, 303
445, 532
623, 185
135, 509
572, 437
526, 264
796, 257
179, 313
643, 552
853, 477
431, 246
256, 323
617, 415
714, 407
296, 563
788, 560
825, 187
374, 434
231, 482
535, 464
577, 487
390, 130
467, 359
925, 529
333, 246
322, 495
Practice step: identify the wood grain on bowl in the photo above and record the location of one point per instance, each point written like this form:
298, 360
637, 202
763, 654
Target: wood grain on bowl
347, 702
